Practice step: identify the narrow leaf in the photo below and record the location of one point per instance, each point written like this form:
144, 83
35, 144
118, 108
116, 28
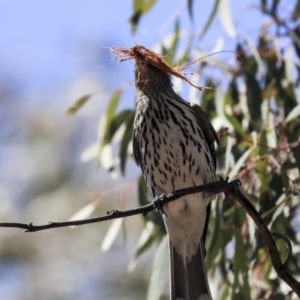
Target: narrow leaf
84, 212
89, 153
294, 113
239, 164
175, 39
111, 109
241, 267
297, 7
225, 17
254, 100
114, 125
72, 110
256, 56
140, 7
125, 142
289, 65
108, 161
111, 234
210, 18
146, 240
274, 7
160, 271
190, 8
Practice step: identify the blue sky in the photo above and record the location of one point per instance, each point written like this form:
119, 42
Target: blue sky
44, 42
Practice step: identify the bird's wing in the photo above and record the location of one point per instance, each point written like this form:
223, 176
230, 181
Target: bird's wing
211, 137
136, 149
207, 129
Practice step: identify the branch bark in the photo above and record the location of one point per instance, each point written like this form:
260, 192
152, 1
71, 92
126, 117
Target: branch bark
231, 189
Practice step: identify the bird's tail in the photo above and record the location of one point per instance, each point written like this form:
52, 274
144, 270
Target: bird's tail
188, 278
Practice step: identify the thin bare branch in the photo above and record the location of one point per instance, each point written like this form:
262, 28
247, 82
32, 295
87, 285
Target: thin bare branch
231, 189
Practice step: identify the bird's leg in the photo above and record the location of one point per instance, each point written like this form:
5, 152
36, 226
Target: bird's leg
235, 184
157, 203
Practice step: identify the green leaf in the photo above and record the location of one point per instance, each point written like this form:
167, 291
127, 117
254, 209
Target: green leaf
148, 242
289, 65
149, 235
111, 234
274, 7
160, 271
297, 7
263, 4
293, 135
175, 39
236, 124
262, 172
225, 17
217, 238
210, 18
140, 7
114, 124
241, 280
256, 56
169, 45
294, 113
295, 37
277, 209
125, 142
142, 191
84, 212
111, 109
254, 100
186, 54
115, 99
290, 98
225, 294
263, 141
239, 164
190, 8
72, 110
239, 296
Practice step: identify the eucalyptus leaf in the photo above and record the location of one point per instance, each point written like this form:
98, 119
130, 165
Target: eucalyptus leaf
210, 18
140, 7
72, 110
125, 142
225, 17
294, 113
111, 234
115, 123
160, 271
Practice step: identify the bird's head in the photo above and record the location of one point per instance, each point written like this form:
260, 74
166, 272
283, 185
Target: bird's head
148, 76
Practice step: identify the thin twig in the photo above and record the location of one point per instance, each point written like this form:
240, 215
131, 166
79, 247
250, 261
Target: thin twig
231, 189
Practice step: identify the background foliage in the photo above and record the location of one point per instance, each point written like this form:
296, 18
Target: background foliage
45, 176
255, 108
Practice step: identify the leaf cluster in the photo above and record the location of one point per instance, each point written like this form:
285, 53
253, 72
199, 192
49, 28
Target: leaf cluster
254, 106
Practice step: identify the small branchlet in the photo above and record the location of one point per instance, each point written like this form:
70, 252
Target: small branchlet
230, 189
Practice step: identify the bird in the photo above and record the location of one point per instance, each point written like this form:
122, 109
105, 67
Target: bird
174, 145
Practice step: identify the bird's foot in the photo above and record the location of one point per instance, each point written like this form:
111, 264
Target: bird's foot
235, 184
157, 203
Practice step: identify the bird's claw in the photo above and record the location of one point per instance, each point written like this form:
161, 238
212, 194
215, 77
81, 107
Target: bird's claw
235, 184
226, 179
157, 203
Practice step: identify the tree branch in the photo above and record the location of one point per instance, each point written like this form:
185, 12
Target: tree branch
231, 189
